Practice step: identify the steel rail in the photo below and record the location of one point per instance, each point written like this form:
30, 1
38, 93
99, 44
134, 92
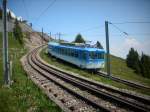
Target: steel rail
126, 82
32, 64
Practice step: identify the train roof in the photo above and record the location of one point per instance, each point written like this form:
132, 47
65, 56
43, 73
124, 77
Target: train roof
74, 47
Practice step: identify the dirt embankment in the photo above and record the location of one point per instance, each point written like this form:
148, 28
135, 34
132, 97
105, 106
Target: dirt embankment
33, 41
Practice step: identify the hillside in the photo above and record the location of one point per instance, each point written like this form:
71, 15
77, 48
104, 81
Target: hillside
120, 69
10, 25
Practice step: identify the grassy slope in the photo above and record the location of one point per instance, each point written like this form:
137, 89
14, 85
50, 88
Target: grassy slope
120, 69
23, 94
117, 64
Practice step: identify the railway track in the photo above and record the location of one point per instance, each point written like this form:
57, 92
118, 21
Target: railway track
96, 96
126, 82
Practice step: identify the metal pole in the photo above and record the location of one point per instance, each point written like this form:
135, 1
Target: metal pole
5, 45
59, 36
107, 48
55, 37
42, 36
49, 36
10, 70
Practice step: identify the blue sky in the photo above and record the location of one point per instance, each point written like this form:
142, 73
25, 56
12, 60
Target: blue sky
87, 17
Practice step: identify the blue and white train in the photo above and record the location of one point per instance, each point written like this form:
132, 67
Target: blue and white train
83, 57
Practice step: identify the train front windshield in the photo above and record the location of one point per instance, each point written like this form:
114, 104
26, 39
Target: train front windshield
96, 55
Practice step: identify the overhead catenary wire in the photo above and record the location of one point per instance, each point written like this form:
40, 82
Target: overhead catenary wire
113, 24
92, 28
133, 22
51, 4
84, 30
119, 29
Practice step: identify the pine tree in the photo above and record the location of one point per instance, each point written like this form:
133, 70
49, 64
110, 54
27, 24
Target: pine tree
133, 60
79, 39
98, 45
145, 65
130, 58
136, 62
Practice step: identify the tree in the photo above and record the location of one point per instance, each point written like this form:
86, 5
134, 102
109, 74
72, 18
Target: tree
98, 45
136, 65
79, 39
145, 65
18, 32
141, 65
133, 61
130, 58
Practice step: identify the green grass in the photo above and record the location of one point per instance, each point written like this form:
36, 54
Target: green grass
120, 69
118, 64
23, 95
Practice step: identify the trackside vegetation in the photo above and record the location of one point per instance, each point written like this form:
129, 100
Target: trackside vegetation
23, 95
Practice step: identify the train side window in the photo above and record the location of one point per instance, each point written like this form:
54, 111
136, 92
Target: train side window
53, 49
72, 53
62, 50
92, 55
83, 55
76, 53
58, 50
68, 51
100, 55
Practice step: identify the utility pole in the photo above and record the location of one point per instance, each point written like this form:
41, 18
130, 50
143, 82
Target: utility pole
55, 36
49, 36
5, 46
42, 37
59, 34
107, 48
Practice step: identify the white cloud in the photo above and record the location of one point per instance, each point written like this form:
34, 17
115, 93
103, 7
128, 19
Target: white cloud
122, 49
131, 42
